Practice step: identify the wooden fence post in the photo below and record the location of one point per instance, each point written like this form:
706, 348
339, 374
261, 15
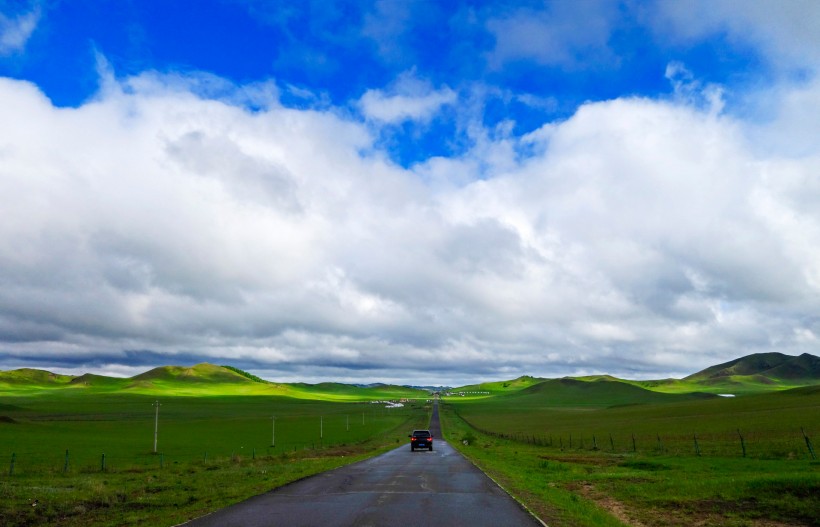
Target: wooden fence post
808, 443
742, 442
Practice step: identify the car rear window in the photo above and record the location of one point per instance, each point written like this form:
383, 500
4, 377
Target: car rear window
421, 433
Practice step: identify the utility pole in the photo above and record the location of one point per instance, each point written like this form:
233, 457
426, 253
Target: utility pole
273, 436
321, 427
156, 425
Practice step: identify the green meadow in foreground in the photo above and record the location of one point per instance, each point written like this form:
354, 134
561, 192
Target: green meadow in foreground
604, 452
81, 452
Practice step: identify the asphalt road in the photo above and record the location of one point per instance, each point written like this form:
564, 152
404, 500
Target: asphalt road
400, 488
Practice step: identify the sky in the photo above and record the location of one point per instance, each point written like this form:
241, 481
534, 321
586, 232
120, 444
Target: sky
410, 191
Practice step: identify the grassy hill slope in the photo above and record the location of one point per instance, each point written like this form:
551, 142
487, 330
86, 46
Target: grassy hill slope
775, 366
500, 387
757, 372
805, 366
338, 391
201, 373
199, 380
99, 382
33, 378
599, 393
762, 372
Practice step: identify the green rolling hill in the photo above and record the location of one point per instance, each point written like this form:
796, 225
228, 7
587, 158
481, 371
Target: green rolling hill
761, 372
201, 373
499, 387
351, 392
100, 382
750, 374
764, 367
199, 380
33, 378
593, 394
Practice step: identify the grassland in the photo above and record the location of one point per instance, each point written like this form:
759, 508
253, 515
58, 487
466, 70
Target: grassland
566, 448
592, 451
215, 442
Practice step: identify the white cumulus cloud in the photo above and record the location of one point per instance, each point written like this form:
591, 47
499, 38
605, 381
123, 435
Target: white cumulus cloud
157, 224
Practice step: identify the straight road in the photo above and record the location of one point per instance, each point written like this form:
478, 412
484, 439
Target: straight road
397, 488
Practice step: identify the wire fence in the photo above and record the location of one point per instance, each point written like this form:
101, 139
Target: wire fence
756, 443
291, 435
79, 460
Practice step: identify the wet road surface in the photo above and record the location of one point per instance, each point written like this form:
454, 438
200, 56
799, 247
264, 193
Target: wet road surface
398, 488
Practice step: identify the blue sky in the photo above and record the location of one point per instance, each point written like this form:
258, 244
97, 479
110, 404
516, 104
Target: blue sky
324, 190
336, 52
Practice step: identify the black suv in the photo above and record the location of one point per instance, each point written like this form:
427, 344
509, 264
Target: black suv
421, 439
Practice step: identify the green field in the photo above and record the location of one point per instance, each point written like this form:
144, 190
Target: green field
81, 452
605, 452
594, 412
